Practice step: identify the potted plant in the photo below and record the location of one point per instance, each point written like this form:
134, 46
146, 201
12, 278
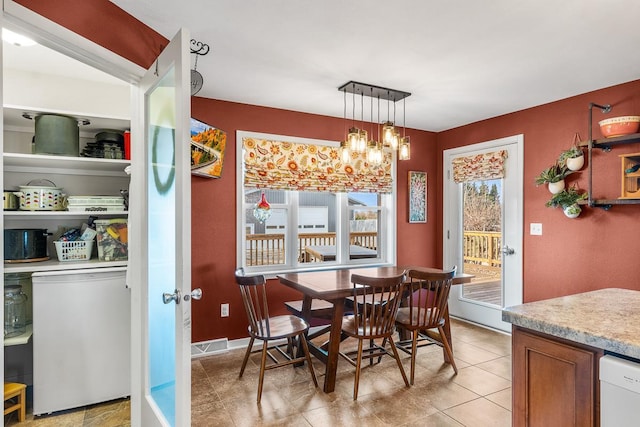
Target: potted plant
568, 201
554, 176
573, 158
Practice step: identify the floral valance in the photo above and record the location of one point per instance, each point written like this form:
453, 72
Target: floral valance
281, 165
479, 167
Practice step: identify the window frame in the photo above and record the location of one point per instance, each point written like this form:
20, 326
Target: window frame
386, 224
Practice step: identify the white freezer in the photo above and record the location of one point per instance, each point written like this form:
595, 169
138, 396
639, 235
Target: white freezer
81, 338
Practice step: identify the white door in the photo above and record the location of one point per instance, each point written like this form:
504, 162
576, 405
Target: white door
483, 234
162, 265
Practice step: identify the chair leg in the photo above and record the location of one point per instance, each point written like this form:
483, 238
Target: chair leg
414, 350
447, 348
397, 356
356, 380
263, 363
246, 357
305, 348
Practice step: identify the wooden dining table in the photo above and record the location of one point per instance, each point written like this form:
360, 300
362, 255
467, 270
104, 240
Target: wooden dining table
335, 286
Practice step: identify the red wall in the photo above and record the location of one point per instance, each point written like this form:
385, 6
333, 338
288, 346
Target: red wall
214, 207
600, 248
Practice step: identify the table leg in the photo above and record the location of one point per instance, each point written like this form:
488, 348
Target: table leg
334, 346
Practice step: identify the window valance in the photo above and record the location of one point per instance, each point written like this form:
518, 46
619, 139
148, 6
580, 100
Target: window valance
281, 165
479, 167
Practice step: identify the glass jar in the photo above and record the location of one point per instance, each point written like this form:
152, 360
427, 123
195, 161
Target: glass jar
15, 311
24, 280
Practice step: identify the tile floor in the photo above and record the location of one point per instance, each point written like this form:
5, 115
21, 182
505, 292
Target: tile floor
480, 395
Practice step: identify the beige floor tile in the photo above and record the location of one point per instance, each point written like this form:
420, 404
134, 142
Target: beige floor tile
480, 413
480, 395
480, 381
502, 398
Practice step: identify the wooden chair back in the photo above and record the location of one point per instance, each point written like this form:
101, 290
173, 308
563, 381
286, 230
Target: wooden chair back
254, 297
429, 292
376, 301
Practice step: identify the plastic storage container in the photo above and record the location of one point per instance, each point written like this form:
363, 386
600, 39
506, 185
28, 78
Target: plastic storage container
77, 250
112, 239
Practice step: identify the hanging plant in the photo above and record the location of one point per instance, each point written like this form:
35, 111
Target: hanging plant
568, 201
554, 176
573, 158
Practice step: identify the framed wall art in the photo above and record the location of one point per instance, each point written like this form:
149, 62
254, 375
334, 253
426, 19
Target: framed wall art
417, 196
207, 149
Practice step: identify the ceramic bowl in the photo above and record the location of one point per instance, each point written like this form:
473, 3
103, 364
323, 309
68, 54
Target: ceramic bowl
619, 126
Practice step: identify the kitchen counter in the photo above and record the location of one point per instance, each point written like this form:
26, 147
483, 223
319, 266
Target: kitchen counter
607, 319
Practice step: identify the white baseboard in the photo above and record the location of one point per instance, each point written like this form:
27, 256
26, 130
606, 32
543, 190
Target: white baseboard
222, 345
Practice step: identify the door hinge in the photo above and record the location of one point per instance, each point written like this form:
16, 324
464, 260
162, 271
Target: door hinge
448, 235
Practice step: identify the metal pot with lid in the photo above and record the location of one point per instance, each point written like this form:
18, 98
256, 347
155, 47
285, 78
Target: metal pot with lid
57, 134
25, 244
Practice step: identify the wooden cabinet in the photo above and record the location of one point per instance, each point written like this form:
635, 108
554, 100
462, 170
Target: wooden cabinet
555, 382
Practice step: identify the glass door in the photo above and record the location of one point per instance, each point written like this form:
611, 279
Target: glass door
483, 232
166, 228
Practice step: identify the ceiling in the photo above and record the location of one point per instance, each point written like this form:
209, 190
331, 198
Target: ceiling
462, 61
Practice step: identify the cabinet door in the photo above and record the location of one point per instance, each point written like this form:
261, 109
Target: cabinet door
554, 383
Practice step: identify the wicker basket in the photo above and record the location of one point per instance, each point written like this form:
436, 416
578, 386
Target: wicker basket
78, 250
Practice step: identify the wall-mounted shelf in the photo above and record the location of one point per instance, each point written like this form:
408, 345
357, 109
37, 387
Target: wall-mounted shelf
606, 144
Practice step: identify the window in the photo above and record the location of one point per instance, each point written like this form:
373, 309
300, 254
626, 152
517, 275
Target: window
310, 227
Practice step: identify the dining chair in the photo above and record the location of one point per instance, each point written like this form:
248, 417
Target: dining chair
375, 305
271, 329
424, 313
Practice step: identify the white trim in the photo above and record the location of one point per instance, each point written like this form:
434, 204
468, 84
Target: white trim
387, 220
52, 35
512, 236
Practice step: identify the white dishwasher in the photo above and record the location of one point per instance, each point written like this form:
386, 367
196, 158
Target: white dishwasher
619, 392
81, 338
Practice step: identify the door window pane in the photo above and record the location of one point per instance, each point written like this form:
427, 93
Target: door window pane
482, 240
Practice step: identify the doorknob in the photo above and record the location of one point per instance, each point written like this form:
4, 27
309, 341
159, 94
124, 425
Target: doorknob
507, 250
167, 298
195, 294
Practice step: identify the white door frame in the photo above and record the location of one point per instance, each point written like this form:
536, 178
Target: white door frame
60, 39
512, 234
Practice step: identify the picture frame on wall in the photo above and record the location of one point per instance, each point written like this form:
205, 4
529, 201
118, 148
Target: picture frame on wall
417, 184
207, 149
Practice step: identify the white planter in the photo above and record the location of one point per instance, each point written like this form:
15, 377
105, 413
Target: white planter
572, 211
556, 187
575, 163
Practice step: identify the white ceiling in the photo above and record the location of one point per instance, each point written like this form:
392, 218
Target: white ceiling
463, 60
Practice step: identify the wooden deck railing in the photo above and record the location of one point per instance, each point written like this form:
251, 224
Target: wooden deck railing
482, 248
268, 249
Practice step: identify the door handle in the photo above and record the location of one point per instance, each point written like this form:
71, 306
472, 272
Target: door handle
507, 250
195, 294
167, 297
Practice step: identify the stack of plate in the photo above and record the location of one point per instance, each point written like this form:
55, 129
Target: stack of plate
108, 145
95, 203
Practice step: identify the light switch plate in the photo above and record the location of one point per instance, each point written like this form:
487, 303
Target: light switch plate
535, 229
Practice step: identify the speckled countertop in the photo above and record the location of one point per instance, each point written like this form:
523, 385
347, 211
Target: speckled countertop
607, 318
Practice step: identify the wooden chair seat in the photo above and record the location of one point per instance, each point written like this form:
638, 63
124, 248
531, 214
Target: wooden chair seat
18, 391
266, 328
375, 305
424, 315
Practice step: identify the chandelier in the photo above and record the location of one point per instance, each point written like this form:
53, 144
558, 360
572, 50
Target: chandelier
381, 136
